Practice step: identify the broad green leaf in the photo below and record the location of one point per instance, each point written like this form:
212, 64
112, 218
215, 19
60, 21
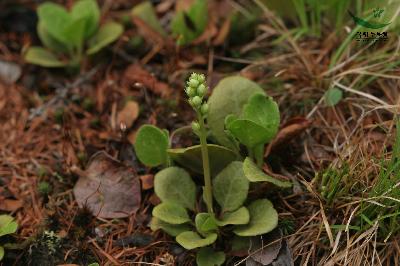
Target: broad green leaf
188, 25
333, 96
263, 219
229, 97
1, 253
171, 229
248, 132
7, 225
191, 158
75, 32
208, 257
205, 222
192, 240
145, 11
55, 19
90, 12
240, 216
151, 145
174, 184
230, 187
107, 34
42, 57
255, 174
171, 213
48, 41
264, 111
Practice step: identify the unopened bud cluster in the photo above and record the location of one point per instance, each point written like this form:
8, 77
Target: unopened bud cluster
196, 89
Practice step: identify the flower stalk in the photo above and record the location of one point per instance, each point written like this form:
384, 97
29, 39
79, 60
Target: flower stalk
196, 90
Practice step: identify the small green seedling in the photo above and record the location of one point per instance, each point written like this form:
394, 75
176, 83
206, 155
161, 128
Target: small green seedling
7, 226
69, 36
186, 25
237, 113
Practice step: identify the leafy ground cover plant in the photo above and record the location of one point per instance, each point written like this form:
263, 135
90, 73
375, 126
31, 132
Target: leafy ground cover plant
65, 35
186, 25
7, 226
251, 118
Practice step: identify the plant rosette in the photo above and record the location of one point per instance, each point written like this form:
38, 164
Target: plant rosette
7, 226
238, 112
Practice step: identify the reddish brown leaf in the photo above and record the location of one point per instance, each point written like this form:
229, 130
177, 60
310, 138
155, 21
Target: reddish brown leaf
290, 130
10, 205
136, 74
108, 188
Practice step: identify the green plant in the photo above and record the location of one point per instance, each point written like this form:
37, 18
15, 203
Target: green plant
227, 176
7, 226
186, 25
65, 35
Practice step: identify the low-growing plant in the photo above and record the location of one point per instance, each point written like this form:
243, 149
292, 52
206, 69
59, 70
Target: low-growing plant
7, 226
69, 36
237, 113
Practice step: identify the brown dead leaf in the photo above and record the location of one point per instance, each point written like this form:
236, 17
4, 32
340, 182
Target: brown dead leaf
128, 114
10, 205
147, 181
109, 188
136, 74
223, 32
289, 130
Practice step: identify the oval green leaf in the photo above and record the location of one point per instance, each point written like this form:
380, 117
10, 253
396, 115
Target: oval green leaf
174, 184
192, 240
230, 187
264, 111
229, 97
205, 222
191, 158
107, 34
171, 229
240, 216
333, 96
248, 132
145, 11
255, 174
48, 41
151, 145
263, 219
170, 212
7, 225
90, 12
42, 57
208, 257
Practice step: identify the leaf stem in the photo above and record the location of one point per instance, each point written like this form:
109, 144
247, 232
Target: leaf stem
206, 164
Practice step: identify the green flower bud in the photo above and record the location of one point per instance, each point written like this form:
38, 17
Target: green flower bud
196, 101
204, 109
191, 92
201, 78
201, 90
195, 126
193, 83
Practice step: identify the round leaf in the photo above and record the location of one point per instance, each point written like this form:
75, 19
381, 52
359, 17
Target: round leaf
248, 132
255, 174
240, 216
151, 145
7, 225
192, 240
49, 41
171, 229
107, 33
205, 222
230, 187
42, 57
174, 184
90, 12
191, 158
228, 97
333, 96
264, 111
263, 219
171, 213
208, 257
